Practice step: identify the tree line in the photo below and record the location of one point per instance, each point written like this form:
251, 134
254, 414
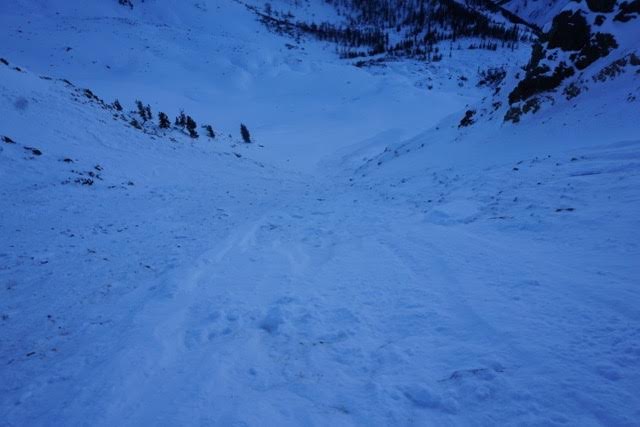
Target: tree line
409, 28
143, 115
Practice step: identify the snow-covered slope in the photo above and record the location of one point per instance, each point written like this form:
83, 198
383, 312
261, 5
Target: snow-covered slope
368, 260
216, 61
538, 12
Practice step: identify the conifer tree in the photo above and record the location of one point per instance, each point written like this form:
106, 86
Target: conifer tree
191, 127
210, 133
246, 136
164, 120
181, 120
143, 112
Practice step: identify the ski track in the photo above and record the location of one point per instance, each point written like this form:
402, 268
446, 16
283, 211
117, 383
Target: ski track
358, 320
312, 302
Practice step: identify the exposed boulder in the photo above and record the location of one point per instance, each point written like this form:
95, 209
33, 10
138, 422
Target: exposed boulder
536, 83
569, 31
599, 46
628, 11
601, 6
467, 120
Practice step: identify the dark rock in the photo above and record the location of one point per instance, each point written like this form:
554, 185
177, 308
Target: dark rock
467, 120
513, 114
616, 68
84, 181
599, 46
571, 91
628, 11
34, 151
601, 6
534, 84
569, 31
492, 77
532, 105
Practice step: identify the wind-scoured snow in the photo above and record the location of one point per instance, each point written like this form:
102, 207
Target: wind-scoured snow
364, 262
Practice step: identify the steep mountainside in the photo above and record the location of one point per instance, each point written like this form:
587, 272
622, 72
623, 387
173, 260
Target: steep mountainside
586, 45
538, 12
425, 30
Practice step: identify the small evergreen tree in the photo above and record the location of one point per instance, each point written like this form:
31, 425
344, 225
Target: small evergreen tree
210, 133
164, 120
117, 105
191, 127
143, 112
181, 120
246, 136
135, 124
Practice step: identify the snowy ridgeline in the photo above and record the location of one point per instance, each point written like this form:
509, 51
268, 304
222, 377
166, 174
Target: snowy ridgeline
370, 260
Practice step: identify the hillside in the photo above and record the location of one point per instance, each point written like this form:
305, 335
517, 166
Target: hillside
537, 12
223, 67
415, 233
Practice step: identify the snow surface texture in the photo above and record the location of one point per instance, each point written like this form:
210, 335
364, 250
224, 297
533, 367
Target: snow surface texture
370, 264
538, 12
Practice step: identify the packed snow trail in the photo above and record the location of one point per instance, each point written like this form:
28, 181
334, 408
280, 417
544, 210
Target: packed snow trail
315, 301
